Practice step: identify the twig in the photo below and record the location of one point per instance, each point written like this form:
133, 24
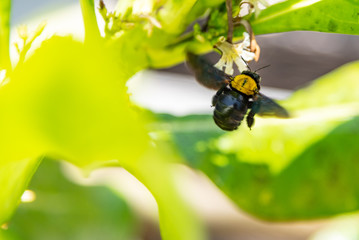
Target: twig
5, 6
230, 21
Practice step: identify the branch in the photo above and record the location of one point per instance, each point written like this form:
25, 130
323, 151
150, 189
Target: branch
5, 7
177, 221
230, 21
92, 33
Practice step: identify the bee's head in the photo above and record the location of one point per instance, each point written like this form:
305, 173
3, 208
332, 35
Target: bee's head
253, 75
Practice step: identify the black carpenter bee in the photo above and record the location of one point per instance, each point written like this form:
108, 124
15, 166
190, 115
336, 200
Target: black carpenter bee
235, 95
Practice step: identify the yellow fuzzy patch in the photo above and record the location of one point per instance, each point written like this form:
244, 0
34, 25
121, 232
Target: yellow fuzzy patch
245, 84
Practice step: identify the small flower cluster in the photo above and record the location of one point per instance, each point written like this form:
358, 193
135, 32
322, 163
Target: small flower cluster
255, 5
27, 39
141, 12
239, 53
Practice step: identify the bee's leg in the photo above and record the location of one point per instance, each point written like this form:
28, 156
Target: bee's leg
254, 106
250, 119
218, 93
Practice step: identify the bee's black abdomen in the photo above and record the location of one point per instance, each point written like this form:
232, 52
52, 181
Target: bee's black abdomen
230, 110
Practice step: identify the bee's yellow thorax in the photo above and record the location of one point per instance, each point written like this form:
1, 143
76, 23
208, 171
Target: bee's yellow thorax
245, 84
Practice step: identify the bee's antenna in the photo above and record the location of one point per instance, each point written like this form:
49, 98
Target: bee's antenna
262, 67
246, 64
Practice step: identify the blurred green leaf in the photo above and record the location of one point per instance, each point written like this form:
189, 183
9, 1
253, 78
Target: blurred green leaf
284, 169
64, 210
333, 16
72, 106
14, 177
70, 103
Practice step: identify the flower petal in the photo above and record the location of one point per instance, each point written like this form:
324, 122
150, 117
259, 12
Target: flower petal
247, 55
246, 40
238, 53
229, 67
263, 2
220, 64
242, 66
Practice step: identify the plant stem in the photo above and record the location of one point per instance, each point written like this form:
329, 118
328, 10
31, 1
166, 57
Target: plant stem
5, 7
230, 21
177, 221
92, 33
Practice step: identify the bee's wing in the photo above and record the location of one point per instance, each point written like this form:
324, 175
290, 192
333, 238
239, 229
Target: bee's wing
206, 74
264, 106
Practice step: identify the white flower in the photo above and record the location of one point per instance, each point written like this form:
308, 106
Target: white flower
237, 53
256, 5
144, 10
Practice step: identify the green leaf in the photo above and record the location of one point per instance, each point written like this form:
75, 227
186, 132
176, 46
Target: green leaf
14, 177
285, 169
332, 16
74, 106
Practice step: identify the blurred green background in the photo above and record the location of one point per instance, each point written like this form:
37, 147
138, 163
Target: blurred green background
268, 186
